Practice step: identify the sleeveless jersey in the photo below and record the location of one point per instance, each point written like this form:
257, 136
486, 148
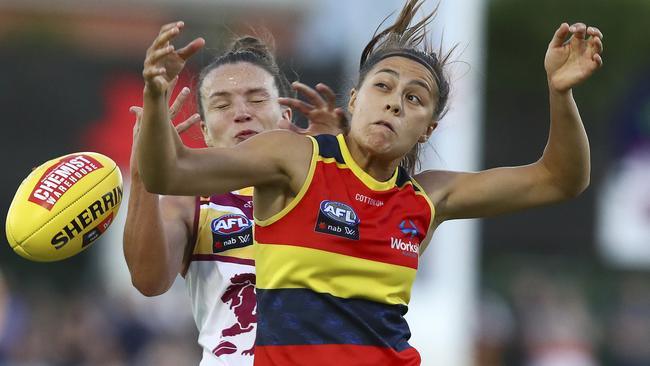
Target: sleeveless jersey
221, 278
336, 266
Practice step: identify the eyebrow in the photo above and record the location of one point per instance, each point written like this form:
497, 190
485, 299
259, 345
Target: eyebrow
415, 81
247, 92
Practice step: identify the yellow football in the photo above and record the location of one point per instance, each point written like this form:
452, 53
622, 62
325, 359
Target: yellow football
63, 206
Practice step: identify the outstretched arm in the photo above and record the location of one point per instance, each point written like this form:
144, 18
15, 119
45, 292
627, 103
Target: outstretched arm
168, 167
562, 171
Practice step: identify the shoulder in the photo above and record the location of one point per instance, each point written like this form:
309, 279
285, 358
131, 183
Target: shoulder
437, 183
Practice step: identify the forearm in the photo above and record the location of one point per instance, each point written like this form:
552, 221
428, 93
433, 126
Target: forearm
566, 156
159, 144
152, 261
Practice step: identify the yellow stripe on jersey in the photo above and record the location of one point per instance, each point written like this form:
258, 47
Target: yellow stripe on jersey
366, 178
333, 160
287, 266
301, 192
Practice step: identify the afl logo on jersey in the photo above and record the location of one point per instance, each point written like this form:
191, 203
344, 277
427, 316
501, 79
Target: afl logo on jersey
231, 231
230, 224
339, 212
338, 219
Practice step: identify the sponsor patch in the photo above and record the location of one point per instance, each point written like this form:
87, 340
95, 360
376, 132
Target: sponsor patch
59, 178
407, 227
231, 231
338, 219
410, 246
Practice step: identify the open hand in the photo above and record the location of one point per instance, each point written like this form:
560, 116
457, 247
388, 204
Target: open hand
162, 62
321, 111
570, 62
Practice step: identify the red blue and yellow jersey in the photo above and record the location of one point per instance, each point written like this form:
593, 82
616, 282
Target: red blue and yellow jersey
336, 266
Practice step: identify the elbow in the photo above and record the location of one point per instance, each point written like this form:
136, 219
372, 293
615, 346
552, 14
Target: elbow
575, 189
150, 285
158, 181
156, 186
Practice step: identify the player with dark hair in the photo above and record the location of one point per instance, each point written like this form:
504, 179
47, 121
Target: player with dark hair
340, 221
208, 240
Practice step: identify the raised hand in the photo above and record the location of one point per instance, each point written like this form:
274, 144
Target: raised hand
570, 62
321, 111
162, 62
173, 111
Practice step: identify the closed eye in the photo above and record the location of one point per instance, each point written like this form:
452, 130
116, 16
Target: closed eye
382, 86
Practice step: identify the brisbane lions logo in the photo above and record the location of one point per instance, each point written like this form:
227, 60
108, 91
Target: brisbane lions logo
240, 296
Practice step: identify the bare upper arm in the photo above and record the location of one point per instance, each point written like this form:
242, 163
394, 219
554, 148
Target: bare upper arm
490, 192
269, 158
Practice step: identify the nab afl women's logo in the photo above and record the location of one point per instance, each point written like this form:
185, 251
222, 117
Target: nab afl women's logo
230, 224
231, 231
338, 219
339, 212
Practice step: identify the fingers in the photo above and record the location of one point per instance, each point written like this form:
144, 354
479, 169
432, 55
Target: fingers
594, 32
138, 117
168, 26
178, 103
598, 59
171, 87
596, 44
191, 48
312, 95
328, 94
167, 33
303, 107
560, 35
136, 110
579, 30
183, 126
150, 72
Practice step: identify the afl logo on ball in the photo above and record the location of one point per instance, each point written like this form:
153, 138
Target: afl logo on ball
231, 231
338, 219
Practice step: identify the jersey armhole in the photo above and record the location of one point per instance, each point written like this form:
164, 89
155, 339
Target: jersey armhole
305, 186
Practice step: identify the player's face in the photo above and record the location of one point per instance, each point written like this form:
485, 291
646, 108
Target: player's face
393, 109
239, 101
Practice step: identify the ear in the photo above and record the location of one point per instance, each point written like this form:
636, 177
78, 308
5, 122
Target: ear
287, 114
424, 138
206, 134
353, 100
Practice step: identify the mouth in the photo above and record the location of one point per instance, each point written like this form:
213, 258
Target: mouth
245, 134
385, 124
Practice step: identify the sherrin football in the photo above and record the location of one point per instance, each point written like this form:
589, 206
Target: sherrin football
63, 206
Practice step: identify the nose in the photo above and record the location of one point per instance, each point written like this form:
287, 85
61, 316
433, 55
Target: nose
241, 113
393, 107
243, 117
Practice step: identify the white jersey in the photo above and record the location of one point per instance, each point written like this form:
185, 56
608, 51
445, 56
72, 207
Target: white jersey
221, 278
